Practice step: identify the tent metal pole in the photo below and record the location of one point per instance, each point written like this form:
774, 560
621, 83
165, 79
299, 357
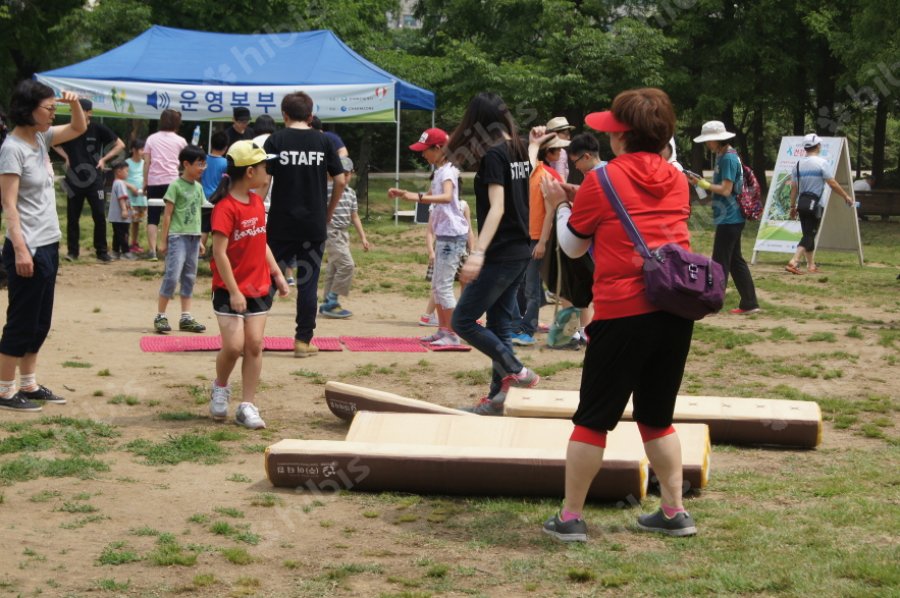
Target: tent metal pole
432, 119
397, 170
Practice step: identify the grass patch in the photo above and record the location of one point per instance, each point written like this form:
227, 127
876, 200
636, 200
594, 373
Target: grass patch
313, 377
204, 580
548, 370
238, 477
129, 400
104, 373
237, 556
195, 448
478, 377
780, 333
111, 585
179, 416
854, 332
168, 552
78, 507
822, 337
229, 512
26, 467
83, 521
266, 499
117, 553
723, 338
76, 364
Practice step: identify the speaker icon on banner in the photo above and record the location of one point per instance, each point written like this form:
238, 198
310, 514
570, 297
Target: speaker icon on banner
159, 101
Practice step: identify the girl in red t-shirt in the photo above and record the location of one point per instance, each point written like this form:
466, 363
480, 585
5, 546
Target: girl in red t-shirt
243, 270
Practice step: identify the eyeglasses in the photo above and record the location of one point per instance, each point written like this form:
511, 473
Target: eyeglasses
50, 109
578, 159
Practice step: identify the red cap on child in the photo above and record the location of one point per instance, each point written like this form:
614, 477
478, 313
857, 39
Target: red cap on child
430, 138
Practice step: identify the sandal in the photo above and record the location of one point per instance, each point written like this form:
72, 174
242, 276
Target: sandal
793, 269
813, 270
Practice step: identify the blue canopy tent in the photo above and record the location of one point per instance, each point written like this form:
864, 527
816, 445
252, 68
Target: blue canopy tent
205, 75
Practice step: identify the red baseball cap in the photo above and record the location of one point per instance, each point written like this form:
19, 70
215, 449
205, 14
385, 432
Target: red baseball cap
605, 122
430, 138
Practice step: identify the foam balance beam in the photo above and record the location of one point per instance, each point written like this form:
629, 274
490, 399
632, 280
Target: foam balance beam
502, 457
730, 420
344, 400
624, 444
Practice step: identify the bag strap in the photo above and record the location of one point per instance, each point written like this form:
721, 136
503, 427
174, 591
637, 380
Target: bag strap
627, 223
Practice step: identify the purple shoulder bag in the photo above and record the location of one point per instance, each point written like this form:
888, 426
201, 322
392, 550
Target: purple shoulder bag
677, 281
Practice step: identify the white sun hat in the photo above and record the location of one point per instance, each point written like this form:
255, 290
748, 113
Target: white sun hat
713, 130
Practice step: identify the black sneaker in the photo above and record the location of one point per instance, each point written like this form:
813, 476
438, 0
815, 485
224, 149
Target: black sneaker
42, 394
71, 257
574, 530
104, 258
18, 403
680, 525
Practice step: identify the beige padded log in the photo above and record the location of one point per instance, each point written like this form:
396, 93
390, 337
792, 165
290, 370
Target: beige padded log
730, 420
623, 444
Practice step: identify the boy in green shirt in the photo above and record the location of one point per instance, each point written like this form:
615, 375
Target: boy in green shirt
181, 239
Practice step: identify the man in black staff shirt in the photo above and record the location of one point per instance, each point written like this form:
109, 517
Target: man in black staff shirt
85, 161
300, 207
240, 126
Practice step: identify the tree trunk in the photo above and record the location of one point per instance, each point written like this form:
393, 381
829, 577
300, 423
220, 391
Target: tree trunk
758, 162
362, 169
881, 113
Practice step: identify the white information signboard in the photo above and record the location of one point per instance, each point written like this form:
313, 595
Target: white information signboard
839, 229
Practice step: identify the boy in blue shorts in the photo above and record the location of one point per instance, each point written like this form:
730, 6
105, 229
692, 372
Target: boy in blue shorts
181, 239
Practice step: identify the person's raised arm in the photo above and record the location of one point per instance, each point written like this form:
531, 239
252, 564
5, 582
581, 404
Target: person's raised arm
536, 137
77, 125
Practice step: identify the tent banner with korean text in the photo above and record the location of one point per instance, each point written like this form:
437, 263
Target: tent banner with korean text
134, 99
839, 227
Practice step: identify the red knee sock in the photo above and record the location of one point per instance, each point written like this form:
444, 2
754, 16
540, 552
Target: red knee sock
649, 433
588, 436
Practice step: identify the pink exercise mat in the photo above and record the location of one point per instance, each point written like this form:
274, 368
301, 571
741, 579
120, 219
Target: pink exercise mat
387, 344
177, 344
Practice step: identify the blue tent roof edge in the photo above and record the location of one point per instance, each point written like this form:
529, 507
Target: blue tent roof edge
129, 62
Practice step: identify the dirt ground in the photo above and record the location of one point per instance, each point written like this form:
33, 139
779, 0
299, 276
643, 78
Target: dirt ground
100, 314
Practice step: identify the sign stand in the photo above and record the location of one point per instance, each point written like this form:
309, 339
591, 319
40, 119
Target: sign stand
839, 228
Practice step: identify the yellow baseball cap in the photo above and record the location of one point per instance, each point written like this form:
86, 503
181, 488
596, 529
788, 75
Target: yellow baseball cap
247, 153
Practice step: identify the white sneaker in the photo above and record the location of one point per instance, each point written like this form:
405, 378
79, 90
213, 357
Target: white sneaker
448, 340
247, 415
218, 404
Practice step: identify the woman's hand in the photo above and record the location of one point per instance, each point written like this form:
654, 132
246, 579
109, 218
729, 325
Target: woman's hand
394, 193
280, 284
793, 213
239, 303
539, 135
68, 97
556, 193
539, 250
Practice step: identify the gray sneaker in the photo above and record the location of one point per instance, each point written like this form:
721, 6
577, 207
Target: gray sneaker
527, 379
680, 525
218, 404
574, 530
486, 406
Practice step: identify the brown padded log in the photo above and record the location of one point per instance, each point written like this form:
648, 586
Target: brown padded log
731, 420
344, 400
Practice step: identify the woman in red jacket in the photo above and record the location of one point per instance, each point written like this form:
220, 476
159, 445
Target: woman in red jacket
634, 349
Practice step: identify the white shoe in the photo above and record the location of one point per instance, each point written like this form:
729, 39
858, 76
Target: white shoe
448, 340
218, 404
247, 415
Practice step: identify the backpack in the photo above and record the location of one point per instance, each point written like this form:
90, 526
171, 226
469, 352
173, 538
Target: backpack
750, 198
